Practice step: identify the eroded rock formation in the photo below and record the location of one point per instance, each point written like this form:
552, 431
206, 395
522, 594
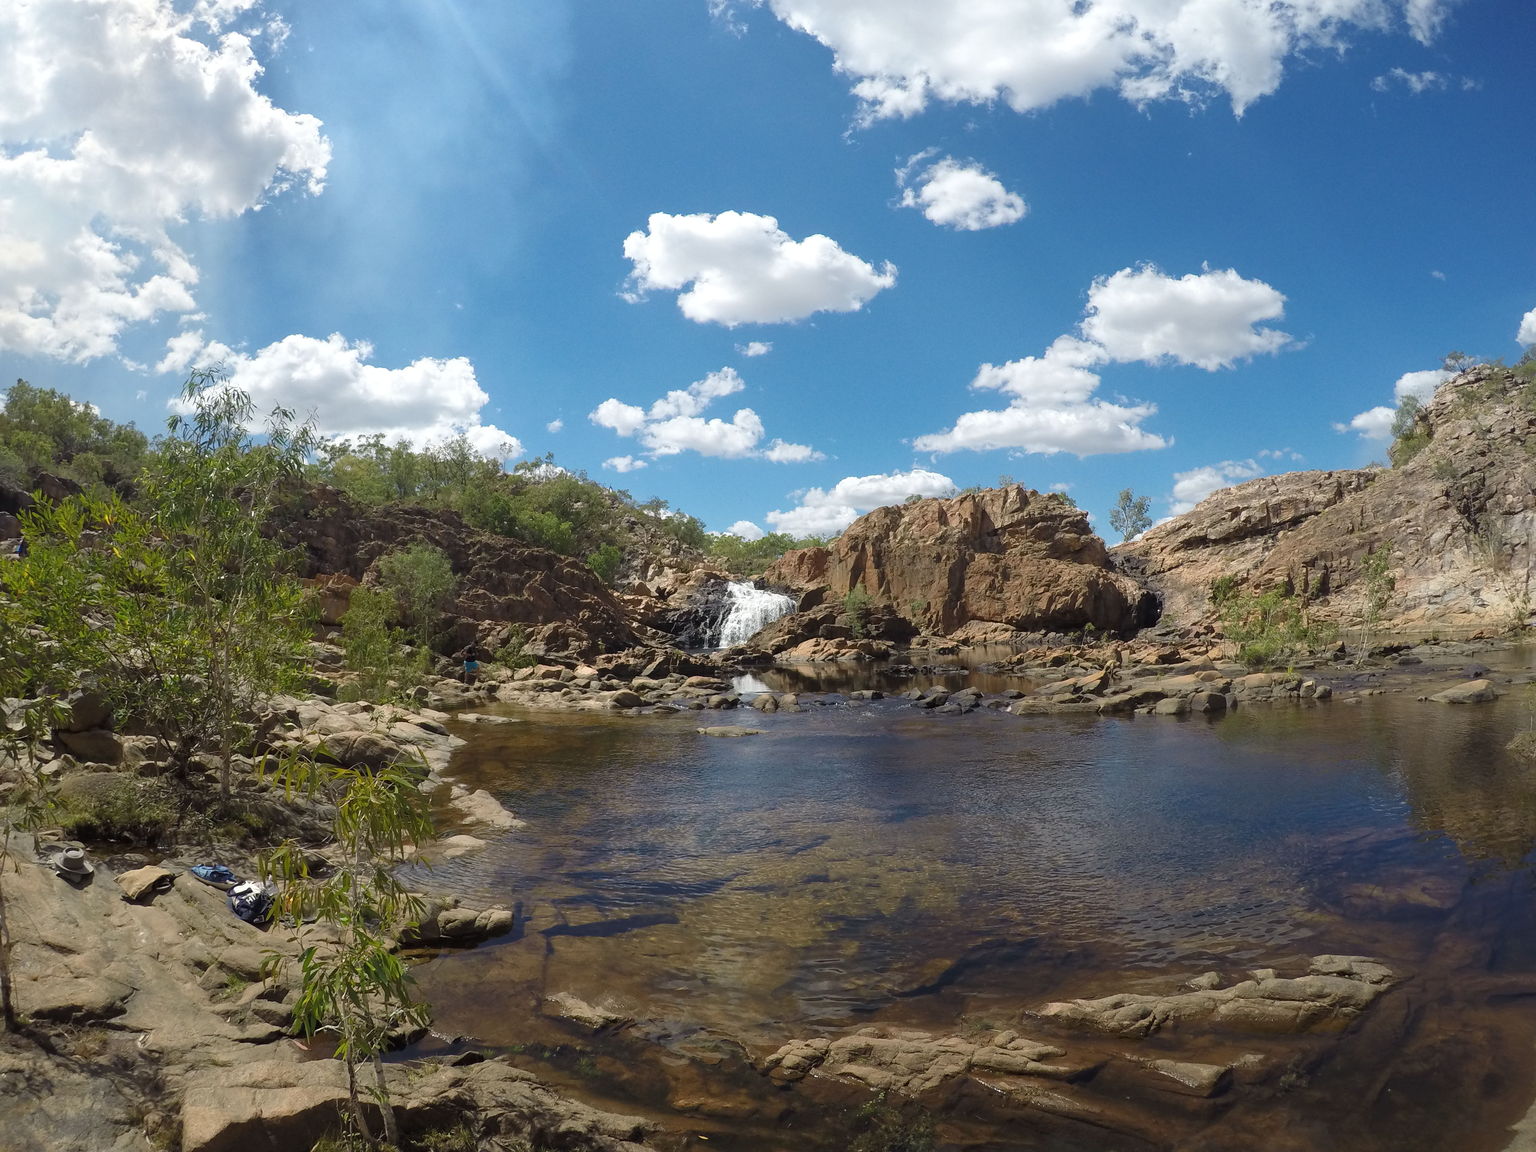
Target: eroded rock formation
558, 601
1457, 523
980, 565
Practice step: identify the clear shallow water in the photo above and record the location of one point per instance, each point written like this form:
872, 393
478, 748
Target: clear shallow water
862, 863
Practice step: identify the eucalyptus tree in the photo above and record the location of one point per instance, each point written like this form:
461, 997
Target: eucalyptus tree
180, 610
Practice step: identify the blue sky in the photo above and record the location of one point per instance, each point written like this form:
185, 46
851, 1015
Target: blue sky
778, 263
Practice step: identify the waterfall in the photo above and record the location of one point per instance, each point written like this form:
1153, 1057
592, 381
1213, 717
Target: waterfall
750, 610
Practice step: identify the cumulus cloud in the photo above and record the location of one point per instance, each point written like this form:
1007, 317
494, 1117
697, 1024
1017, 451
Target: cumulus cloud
965, 196
746, 530
1527, 333
825, 512
1376, 423
675, 424
741, 268
1420, 385
555, 426
331, 382
119, 119
1208, 320
755, 348
624, 464
1372, 424
1189, 488
902, 54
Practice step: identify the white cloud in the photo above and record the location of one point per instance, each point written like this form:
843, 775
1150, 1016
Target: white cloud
741, 268
1372, 424
1032, 53
746, 530
781, 452
1052, 409
730, 439
331, 382
1376, 423
1189, 488
825, 512
1425, 17
188, 350
1415, 82
675, 424
625, 419
962, 196
1420, 385
1527, 333
624, 464
118, 119
555, 426
1208, 319
755, 348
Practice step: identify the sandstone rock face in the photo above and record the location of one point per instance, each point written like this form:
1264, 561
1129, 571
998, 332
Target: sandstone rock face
1006, 556
1457, 521
1232, 531
559, 601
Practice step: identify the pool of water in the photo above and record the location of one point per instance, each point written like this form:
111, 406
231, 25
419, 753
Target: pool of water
873, 863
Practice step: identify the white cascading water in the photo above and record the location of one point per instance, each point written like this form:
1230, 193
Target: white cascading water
752, 609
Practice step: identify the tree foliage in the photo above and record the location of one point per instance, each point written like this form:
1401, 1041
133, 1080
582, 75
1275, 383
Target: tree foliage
383, 671
353, 984
422, 582
1410, 435
178, 610
45, 431
1131, 515
742, 557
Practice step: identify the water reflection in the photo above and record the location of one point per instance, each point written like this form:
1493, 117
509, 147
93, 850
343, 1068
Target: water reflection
876, 862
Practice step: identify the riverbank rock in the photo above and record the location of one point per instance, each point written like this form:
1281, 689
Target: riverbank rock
1472, 692
1334, 991
1005, 556
275, 1104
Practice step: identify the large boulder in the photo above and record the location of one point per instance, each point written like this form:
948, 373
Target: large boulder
1008, 556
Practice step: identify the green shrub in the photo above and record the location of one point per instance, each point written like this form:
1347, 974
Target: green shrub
856, 609
606, 562
376, 652
1410, 435
1271, 628
512, 654
421, 579
128, 809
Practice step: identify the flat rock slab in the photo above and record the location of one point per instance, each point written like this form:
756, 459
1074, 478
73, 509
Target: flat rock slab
730, 730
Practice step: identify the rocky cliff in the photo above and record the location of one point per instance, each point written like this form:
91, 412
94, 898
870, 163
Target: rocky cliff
559, 602
982, 564
1457, 523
